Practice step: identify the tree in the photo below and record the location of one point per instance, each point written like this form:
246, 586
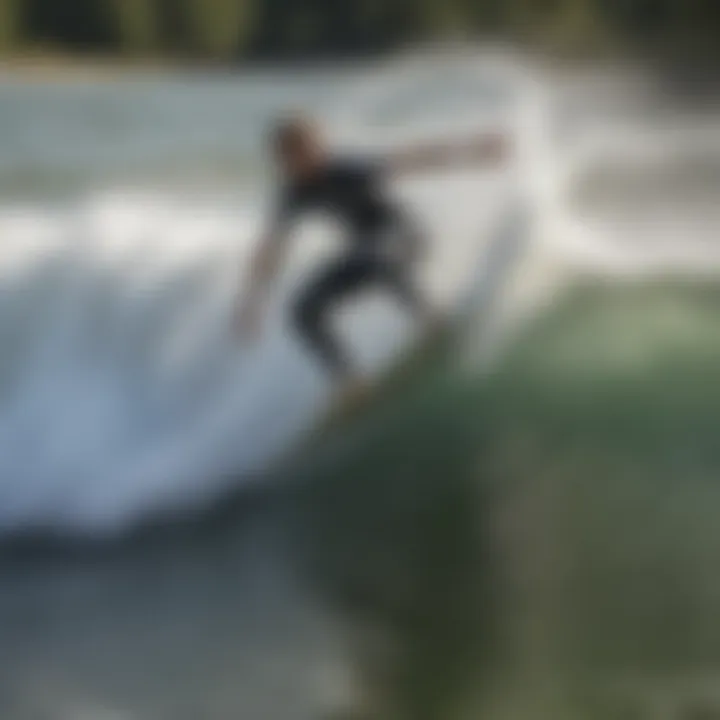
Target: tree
220, 28
558, 24
9, 24
576, 25
137, 23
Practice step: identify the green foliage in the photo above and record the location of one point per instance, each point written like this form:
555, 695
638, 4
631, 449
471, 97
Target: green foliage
220, 28
137, 25
229, 29
8, 24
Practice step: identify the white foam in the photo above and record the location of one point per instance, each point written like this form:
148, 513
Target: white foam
127, 392
123, 390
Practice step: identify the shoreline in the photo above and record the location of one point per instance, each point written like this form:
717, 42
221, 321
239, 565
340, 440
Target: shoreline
79, 68
695, 81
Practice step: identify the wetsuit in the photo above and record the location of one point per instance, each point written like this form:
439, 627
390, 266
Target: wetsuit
381, 242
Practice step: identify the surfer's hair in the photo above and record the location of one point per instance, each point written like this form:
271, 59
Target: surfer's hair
291, 133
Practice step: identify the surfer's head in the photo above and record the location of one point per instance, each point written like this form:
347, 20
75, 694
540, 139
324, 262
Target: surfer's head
297, 146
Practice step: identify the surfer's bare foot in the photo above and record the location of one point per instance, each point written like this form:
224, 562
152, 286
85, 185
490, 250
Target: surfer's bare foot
351, 393
433, 323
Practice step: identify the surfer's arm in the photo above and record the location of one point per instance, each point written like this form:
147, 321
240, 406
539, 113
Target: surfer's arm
266, 261
486, 149
264, 267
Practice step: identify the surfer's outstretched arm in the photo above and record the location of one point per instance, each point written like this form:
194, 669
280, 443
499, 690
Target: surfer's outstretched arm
486, 149
264, 267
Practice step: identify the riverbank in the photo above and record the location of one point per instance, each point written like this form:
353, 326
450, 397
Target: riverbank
62, 67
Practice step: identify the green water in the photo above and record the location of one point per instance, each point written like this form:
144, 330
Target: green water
545, 538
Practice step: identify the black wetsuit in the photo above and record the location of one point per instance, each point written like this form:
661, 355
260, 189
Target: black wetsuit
381, 241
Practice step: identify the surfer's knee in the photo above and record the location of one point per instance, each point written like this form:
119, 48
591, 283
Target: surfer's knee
307, 316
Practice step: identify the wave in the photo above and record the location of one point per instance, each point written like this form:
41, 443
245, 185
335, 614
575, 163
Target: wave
124, 394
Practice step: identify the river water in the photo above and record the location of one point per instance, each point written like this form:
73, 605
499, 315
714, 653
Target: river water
157, 561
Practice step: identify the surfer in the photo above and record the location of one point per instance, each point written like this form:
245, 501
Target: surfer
384, 242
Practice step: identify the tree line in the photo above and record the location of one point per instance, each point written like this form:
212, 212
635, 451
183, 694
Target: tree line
235, 30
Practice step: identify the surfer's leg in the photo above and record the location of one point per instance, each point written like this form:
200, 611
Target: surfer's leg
315, 304
401, 281
397, 263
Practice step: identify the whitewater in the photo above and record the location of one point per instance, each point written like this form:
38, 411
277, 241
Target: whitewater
127, 214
